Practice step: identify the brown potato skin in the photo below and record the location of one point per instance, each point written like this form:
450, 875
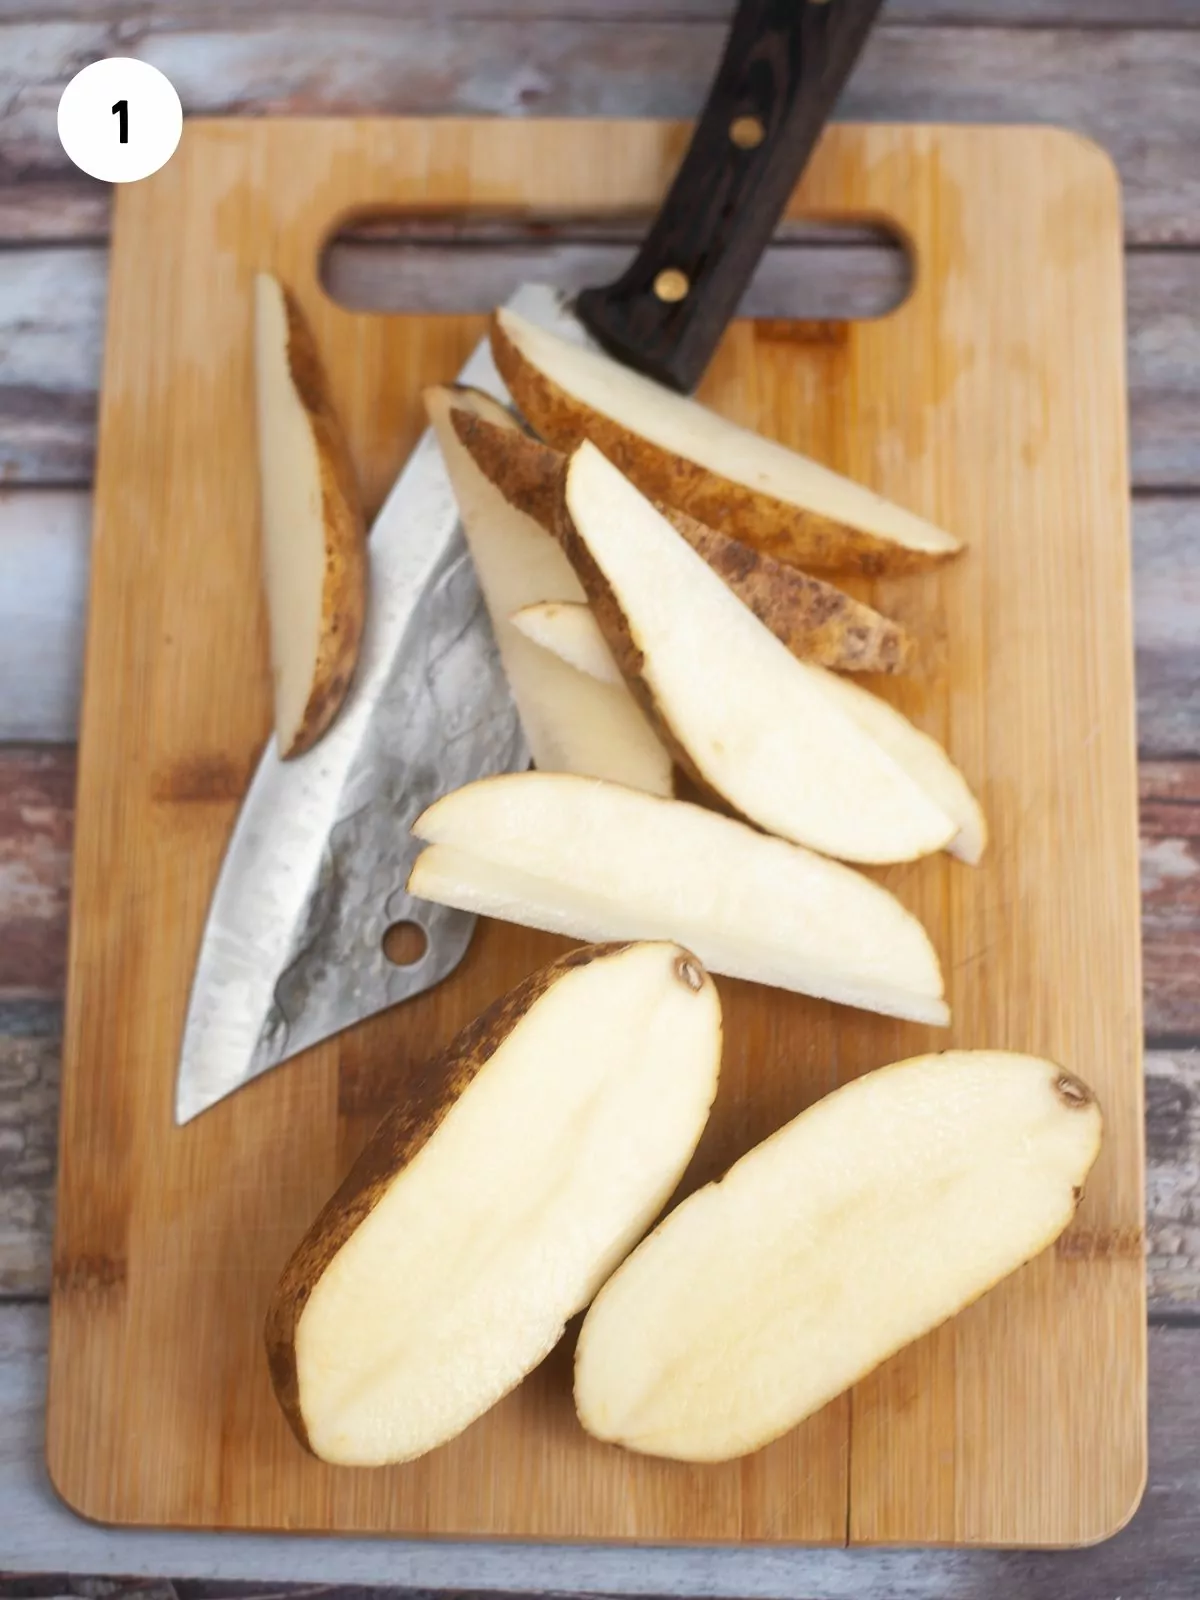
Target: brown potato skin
344, 591
773, 527
815, 620
404, 1131
626, 653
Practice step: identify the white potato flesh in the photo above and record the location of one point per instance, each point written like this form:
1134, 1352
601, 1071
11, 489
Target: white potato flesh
597, 861
686, 428
292, 515
867, 1221
570, 632
543, 1174
921, 756
572, 723
759, 726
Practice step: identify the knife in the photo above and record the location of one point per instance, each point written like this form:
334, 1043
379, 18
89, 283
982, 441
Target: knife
314, 874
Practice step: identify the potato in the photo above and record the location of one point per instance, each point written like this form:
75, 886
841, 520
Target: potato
493, 1201
752, 724
816, 621
314, 535
687, 456
570, 632
870, 1219
596, 861
572, 723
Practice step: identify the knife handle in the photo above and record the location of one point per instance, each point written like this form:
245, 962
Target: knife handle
784, 65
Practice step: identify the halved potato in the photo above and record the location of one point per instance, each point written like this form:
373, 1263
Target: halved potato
572, 723
816, 621
596, 861
874, 1216
314, 535
678, 451
750, 722
493, 1201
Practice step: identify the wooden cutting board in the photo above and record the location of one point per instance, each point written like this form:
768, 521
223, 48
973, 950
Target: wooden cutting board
992, 401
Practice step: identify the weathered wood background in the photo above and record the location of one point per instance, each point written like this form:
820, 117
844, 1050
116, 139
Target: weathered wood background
1126, 72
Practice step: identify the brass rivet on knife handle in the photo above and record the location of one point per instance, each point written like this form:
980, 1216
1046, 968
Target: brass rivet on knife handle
784, 65
671, 285
747, 132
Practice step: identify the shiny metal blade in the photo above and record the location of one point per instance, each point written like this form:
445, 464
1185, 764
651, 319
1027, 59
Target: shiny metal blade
315, 871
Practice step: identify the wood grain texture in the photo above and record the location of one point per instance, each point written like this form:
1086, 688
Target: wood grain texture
52, 300
30, 1047
977, 13
44, 540
1156, 1558
1170, 872
36, 804
45, 535
622, 61
169, 1239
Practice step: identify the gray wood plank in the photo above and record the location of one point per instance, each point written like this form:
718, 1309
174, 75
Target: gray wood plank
52, 310
1166, 565
44, 537
30, 1047
350, 59
1040, 14
1156, 1558
1170, 872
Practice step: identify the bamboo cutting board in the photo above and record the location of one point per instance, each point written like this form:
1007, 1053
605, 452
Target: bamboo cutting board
994, 402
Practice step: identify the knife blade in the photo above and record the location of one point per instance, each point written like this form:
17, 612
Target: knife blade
315, 870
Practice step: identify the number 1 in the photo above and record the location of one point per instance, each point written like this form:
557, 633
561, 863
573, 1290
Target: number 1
121, 110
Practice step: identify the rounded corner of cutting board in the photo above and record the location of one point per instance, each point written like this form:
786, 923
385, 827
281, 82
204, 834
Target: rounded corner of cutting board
1127, 1497
70, 1477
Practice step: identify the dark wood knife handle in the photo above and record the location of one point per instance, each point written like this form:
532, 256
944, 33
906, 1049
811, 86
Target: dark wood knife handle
784, 65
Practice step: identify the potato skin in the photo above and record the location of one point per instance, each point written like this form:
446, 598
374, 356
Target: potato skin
815, 620
344, 590
773, 527
404, 1131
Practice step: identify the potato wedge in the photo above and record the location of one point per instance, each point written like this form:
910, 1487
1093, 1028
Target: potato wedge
751, 723
596, 861
816, 621
572, 723
922, 758
870, 1219
493, 1201
314, 535
680, 452
570, 632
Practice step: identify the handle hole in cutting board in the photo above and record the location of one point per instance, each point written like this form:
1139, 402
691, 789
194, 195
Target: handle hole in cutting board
813, 271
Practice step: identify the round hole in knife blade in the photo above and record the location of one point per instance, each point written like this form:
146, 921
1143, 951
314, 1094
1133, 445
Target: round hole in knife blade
405, 943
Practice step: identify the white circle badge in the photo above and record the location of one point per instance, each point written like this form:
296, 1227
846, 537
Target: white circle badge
120, 119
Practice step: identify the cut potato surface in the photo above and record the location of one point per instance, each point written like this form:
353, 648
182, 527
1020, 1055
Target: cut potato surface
921, 757
597, 861
314, 549
867, 1221
572, 723
750, 722
679, 451
570, 632
493, 1201
816, 621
